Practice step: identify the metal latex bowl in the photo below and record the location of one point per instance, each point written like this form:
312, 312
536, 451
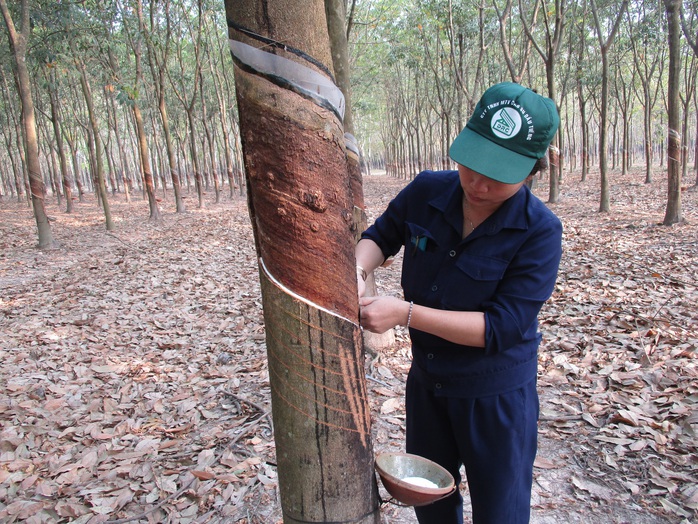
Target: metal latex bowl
392, 468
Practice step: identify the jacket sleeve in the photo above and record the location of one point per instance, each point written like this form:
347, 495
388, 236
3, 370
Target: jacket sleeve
388, 231
529, 281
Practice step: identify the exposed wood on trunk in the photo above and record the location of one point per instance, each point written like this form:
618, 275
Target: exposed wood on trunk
301, 193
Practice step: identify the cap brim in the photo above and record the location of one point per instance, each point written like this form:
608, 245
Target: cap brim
489, 159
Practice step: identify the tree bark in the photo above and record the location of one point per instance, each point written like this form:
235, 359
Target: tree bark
673, 207
101, 188
219, 88
19, 43
17, 164
158, 65
182, 91
604, 45
143, 149
209, 141
56, 122
301, 207
336, 15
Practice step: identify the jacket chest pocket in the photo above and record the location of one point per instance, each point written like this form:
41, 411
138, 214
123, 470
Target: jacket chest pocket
475, 280
418, 240
421, 261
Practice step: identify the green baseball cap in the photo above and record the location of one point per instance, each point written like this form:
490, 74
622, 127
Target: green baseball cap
510, 129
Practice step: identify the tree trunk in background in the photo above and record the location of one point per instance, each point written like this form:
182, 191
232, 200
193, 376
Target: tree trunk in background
336, 15
604, 45
673, 207
146, 165
15, 169
301, 206
146, 168
101, 188
549, 54
191, 121
583, 123
335, 11
648, 65
73, 147
125, 176
157, 69
695, 154
17, 163
52, 81
19, 43
554, 155
647, 114
692, 40
209, 141
219, 85
188, 93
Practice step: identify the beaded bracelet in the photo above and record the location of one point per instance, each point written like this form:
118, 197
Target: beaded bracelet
409, 315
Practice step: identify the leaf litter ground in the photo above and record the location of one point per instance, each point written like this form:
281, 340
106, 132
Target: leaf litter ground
134, 385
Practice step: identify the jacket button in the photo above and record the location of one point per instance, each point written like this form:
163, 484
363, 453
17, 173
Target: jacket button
434, 287
430, 356
452, 253
437, 385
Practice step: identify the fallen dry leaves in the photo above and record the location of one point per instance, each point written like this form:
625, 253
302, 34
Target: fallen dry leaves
135, 386
621, 346
135, 389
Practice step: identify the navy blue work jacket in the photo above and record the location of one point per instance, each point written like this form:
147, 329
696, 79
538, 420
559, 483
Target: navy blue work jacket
506, 268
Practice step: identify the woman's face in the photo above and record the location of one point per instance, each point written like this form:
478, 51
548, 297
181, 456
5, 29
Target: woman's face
485, 193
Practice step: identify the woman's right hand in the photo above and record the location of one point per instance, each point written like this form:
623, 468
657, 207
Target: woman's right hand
379, 314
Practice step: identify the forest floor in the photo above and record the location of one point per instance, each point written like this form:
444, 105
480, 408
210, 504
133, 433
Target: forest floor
134, 386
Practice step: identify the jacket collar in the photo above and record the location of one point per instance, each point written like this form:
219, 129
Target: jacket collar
510, 215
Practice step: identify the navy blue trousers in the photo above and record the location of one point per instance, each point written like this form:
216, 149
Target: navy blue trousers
494, 437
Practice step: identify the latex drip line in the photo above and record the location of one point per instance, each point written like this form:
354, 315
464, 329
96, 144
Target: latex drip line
289, 75
297, 296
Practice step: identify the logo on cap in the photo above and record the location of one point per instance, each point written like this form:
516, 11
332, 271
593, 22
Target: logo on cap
506, 123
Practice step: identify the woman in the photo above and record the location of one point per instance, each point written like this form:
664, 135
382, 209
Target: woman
481, 258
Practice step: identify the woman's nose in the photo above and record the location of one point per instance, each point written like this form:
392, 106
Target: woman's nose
478, 182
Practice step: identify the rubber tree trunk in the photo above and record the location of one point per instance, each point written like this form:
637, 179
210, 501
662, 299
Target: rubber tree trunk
19, 45
100, 188
56, 123
146, 166
673, 213
156, 59
335, 11
301, 206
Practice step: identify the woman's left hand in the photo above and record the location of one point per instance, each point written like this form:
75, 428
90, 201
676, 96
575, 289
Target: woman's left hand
379, 314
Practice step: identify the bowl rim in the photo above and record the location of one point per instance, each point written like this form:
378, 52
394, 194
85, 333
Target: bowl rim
408, 485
